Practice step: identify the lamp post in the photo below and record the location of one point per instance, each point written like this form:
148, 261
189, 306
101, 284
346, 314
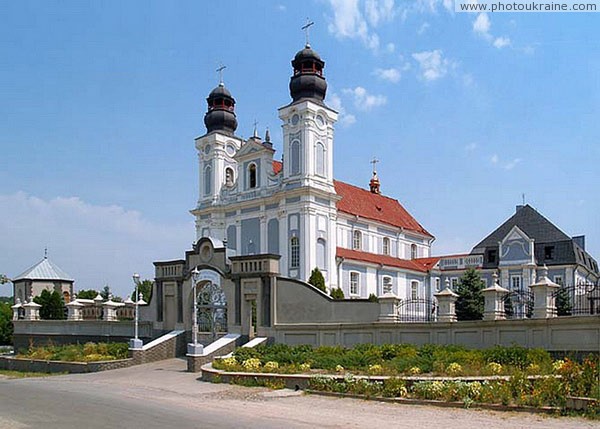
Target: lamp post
194, 348
136, 343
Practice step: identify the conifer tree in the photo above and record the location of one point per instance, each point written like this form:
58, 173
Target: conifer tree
317, 280
470, 302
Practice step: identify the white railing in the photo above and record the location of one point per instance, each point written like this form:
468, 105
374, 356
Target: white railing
459, 262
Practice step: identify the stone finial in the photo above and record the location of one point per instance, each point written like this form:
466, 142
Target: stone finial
494, 300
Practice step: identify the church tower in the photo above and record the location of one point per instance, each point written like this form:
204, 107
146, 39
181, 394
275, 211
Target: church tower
310, 209
308, 125
217, 167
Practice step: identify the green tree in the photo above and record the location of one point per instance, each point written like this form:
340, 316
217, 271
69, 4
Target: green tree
6, 325
87, 294
563, 302
337, 293
52, 305
105, 292
317, 280
145, 288
470, 301
4, 279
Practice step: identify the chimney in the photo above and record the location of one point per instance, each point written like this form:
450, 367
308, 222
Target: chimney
580, 240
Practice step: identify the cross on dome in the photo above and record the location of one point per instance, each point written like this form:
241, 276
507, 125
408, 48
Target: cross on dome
306, 28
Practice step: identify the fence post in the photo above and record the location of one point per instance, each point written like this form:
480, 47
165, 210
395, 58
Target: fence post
16, 308
543, 296
74, 310
494, 301
447, 305
32, 310
388, 307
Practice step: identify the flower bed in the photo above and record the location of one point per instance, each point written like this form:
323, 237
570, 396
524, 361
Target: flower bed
511, 376
88, 352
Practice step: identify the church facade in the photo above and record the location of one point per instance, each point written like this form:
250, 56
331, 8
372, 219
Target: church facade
362, 242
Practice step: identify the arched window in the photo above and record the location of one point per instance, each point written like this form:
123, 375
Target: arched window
357, 240
386, 246
252, 176
321, 254
413, 251
295, 155
294, 252
229, 176
320, 159
207, 180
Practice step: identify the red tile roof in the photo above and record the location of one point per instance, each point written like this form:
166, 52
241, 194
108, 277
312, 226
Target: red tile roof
366, 204
373, 258
428, 263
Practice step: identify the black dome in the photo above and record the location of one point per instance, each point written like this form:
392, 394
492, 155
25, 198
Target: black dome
221, 111
308, 80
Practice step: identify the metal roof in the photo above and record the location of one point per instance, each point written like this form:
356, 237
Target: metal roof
44, 270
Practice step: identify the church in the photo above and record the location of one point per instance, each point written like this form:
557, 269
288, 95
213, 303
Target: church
362, 241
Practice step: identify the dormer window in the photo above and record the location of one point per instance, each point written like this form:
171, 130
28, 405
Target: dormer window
357, 240
549, 253
413, 251
252, 176
386, 246
491, 256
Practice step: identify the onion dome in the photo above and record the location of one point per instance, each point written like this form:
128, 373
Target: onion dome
308, 80
220, 115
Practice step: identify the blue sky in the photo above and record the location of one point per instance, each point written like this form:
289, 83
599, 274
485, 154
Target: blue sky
100, 103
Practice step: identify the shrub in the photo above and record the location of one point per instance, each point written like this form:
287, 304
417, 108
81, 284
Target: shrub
252, 364
373, 298
304, 367
415, 370
454, 369
242, 354
339, 368
493, 368
317, 280
394, 388
375, 369
337, 293
271, 366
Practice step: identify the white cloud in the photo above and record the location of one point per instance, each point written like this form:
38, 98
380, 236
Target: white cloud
432, 64
482, 25
281, 8
512, 164
94, 244
471, 147
345, 119
423, 28
363, 100
501, 42
378, 11
390, 48
432, 5
391, 75
349, 23
494, 159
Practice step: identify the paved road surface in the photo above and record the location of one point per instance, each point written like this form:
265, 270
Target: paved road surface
163, 395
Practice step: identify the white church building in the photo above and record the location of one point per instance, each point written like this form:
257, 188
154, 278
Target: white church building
363, 242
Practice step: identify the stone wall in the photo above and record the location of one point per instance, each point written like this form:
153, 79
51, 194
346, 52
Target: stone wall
59, 332
34, 365
169, 346
562, 334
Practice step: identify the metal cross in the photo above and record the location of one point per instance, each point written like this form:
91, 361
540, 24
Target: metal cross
374, 161
220, 71
46, 253
255, 128
523, 195
306, 28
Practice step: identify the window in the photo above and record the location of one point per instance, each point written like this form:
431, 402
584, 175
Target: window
549, 252
354, 283
413, 251
207, 180
229, 176
559, 280
387, 284
357, 240
414, 289
438, 284
321, 254
386, 246
294, 252
295, 155
320, 159
252, 176
454, 283
491, 256
515, 282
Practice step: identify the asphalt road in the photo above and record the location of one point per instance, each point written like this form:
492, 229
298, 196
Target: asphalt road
163, 395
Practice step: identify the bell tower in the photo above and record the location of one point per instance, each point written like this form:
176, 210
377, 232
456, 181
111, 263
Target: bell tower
308, 125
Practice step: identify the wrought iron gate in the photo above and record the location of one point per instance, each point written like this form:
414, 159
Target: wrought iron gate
417, 310
518, 304
212, 309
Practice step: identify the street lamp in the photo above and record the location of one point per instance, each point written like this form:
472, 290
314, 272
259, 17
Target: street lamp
136, 343
194, 348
